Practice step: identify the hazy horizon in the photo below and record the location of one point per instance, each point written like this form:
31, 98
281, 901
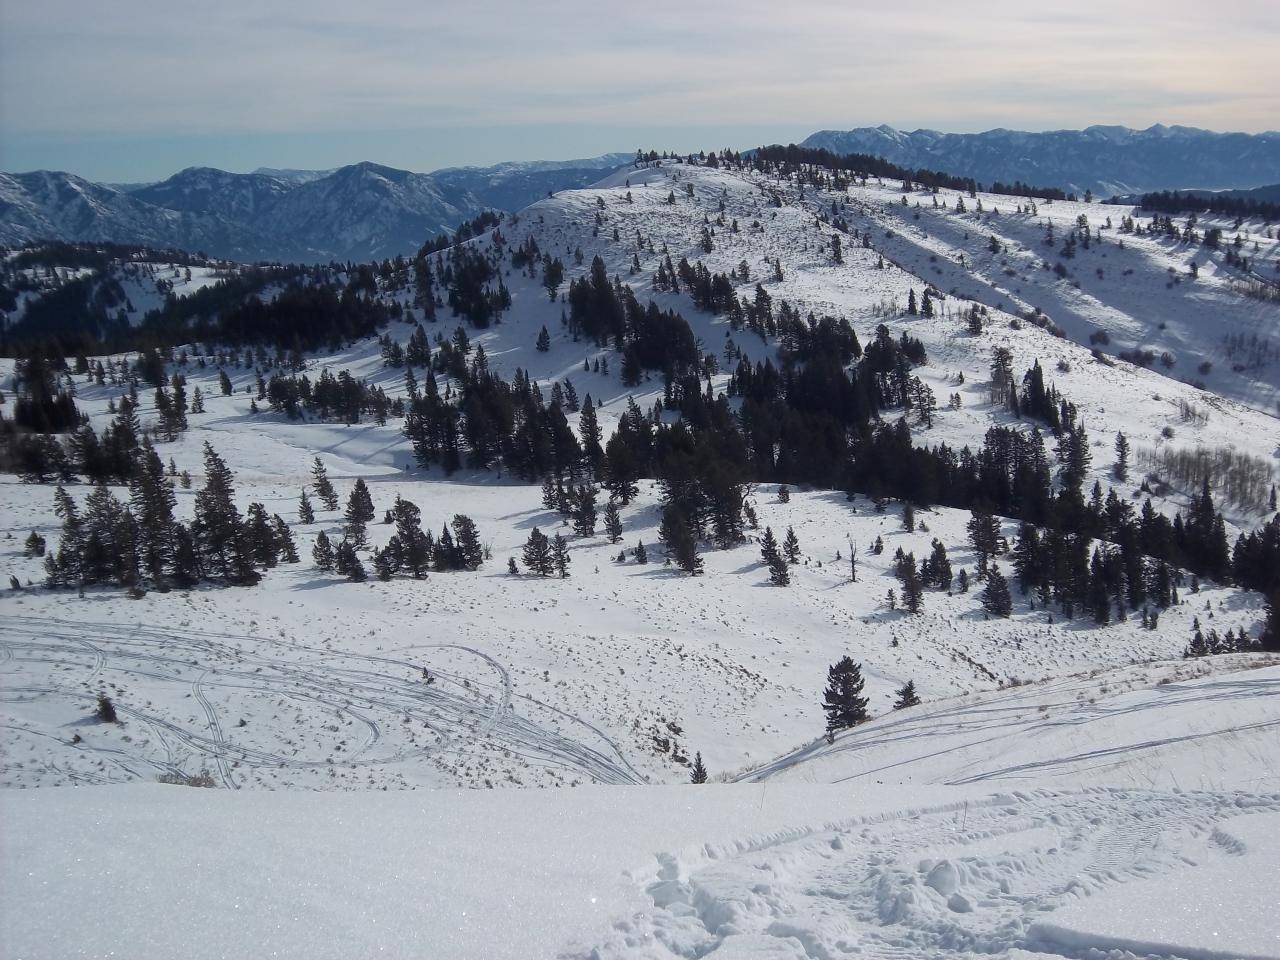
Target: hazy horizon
134, 92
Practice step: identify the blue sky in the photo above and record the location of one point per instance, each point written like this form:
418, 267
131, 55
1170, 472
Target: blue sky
137, 89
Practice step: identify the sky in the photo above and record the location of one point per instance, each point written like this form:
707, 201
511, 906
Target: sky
135, 90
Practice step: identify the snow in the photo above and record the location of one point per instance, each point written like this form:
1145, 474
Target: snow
1222, 908
1053, 770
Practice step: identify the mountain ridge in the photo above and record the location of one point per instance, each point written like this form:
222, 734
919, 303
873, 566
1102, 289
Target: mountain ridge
1103, 159
360, 211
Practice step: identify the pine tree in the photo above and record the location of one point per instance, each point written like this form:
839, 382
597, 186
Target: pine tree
358, 514
641, 554
322, 552
996, 599
305, 513
218, 531
791, 546
152, 500
537, 554
584, 511
324, 489
261, 537
1121, 468
288, 550
347, 563
906, 696
912, 588
466, 539
612, 522
699, 774
842, 700
560, 555
106, 710
589, 430
984, 534
544, 341
784, 494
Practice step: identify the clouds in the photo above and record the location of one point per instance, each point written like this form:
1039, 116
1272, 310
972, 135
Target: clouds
140, 68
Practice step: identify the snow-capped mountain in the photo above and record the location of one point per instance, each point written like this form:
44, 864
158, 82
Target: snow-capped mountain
1107, 160
358, 212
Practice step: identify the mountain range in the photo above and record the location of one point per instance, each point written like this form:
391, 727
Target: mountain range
359, 212
1106, 160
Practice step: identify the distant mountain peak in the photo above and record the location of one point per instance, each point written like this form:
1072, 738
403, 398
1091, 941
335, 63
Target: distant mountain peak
1105, 159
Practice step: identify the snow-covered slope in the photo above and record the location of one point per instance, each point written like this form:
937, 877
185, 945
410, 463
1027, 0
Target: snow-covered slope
1053, 768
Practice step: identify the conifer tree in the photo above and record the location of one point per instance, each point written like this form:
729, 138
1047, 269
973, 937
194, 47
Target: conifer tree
842, 701
261, 537
347, 563
641, 554
305, 513
791, 546
996, 599
1121, 468
322, 552
152, 500
699, 772
218, 531
537, 554
612, 522
288, 550
912, 588
544, 341
466, 538
584, 511
906, 696
324, 488
560, 555
359, 512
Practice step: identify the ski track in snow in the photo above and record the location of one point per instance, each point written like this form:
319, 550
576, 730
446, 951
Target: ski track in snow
372, 691
957, 880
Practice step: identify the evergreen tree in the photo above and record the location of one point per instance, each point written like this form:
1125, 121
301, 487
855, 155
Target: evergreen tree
791, 546
218, 531
584, 511
288, 550
912, 588
324, 489
466, 539
347, 563
152, 500
1121, 467
305, 513
612, 522
906, 696
641, 554
784, 494
537, 554
358, 514
699, 773
996, 599
984, 534
322, 552
560, 555
842, 701
261, 537
589, 430
544, 341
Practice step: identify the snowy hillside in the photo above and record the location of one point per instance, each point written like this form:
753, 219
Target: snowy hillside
369, 742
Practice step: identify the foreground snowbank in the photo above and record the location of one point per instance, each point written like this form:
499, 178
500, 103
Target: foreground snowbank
153, 871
